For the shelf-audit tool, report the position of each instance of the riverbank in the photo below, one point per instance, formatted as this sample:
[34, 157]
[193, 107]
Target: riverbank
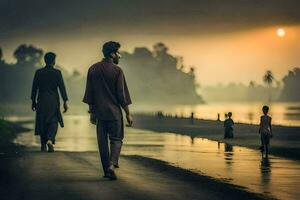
[30, 174]
[9, 152]
[285, 143]
[77, 175]
[8, 132]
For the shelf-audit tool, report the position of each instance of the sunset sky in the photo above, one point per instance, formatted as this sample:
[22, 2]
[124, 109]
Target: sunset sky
[236, 41]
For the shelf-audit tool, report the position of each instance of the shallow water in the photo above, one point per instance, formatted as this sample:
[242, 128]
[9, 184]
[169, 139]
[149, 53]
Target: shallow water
[283, 113]
[275, 177]
[246, 112]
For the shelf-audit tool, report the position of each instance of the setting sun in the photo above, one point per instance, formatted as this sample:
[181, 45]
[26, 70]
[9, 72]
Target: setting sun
[280, 32]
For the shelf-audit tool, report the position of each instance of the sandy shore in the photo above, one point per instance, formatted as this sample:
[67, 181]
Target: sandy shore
[285, 143]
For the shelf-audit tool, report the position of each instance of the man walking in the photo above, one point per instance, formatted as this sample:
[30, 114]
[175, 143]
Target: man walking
[106, 93]
[46, 103]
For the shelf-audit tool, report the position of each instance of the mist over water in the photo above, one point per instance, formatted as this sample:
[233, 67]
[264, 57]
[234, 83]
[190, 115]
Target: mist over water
[244, 112]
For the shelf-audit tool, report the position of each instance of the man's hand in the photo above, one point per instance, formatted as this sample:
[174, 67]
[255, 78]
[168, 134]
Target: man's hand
[129, 120]
[33, 106]
[93, 118]
[65, 107]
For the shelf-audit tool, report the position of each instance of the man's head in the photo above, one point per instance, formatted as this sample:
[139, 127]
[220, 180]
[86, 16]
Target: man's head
[265, 109]
[111, 50]
[50, 58]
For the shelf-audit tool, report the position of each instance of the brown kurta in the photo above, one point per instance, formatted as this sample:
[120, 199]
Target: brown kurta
[45, 87]
[106, 90]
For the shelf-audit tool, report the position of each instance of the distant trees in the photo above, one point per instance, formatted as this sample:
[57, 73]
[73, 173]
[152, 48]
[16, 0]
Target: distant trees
[268, 77]
[153, 76]
[28, 54]
[291, 86]
[251, 90]
[160, 50]
[239, 92]
[157, 77]
[16, 79]
[268, 80]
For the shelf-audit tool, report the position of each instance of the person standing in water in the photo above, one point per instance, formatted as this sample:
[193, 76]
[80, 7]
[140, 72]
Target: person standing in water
[106, 93]
[265, 131]
[228, 125]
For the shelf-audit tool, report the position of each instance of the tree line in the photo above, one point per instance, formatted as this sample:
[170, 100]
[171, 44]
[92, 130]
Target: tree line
[153, 77]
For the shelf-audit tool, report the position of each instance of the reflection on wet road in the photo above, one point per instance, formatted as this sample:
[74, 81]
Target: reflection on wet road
[276, 177]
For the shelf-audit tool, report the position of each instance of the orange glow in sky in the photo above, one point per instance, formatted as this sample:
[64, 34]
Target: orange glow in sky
[217, 58]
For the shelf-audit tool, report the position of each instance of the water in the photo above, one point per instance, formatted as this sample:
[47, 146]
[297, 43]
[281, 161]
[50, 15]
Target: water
[282, 113]
[247, 112]
[275, 177]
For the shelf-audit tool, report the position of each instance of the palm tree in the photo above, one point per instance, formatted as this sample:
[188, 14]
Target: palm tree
[268, 80]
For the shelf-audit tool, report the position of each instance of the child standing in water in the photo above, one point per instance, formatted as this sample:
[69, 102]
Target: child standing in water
[265, 131]
[228, 125]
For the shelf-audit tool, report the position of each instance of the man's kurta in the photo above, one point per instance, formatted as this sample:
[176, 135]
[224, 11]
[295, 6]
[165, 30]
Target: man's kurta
[106, 90]
[45, 87]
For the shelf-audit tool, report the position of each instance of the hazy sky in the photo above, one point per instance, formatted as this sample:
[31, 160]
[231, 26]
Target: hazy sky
[232, 40]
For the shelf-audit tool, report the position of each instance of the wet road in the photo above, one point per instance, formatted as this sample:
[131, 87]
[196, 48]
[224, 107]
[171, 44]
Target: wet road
[275, 177]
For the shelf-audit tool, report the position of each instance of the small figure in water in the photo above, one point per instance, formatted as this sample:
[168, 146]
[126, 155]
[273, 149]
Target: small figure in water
[218, 119]
[265, 131]
[228, 125]
[192, 118]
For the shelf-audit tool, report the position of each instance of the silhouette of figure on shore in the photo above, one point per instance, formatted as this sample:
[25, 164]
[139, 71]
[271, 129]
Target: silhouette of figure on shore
[192, 118]
[218, 117]
[46, 103]
[228, 125]
[160, 114]
[106, 93]
[265, 131]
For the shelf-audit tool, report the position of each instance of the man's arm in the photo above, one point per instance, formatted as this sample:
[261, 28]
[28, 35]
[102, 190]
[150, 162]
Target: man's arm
[128, 115]
[89, 92]
[34, 91]
[89, 98]
[63, 92]
[124, 96]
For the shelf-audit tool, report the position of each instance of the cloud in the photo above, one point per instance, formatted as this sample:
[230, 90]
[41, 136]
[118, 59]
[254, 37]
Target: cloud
[30, 17]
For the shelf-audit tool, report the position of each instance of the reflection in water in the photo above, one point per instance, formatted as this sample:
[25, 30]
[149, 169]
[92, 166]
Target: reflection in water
[238, 165]
[265, 169]
[228, 153]
[192, 139]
